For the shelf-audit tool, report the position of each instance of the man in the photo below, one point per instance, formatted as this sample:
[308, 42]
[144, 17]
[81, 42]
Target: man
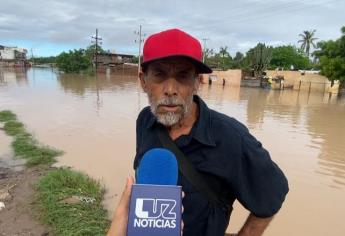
[217, 146]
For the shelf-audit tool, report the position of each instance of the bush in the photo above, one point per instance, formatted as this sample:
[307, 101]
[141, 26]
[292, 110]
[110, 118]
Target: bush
[73, 61]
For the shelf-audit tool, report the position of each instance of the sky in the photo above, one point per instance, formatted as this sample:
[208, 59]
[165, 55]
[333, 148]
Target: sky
[48, 27]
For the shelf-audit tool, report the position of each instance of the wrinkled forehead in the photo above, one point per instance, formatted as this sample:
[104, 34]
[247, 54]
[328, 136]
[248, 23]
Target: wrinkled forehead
[173, 65]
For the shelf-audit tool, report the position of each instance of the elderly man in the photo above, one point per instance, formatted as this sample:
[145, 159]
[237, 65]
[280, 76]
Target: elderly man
[232, 164]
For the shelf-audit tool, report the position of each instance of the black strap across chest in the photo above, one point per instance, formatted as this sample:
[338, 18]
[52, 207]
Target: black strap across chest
[201, 181]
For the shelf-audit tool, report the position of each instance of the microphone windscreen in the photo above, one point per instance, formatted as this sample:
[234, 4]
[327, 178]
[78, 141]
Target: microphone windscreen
[158, 166]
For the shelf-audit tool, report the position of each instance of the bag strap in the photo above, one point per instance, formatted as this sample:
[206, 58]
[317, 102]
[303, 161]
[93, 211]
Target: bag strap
[187, 168]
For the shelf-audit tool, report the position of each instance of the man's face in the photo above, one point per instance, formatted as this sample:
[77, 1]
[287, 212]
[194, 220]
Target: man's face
[170, 85]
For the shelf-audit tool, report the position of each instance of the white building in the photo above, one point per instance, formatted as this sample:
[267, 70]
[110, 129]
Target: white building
[13, 55]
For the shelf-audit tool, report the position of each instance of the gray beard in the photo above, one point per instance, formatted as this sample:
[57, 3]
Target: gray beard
[171, 118]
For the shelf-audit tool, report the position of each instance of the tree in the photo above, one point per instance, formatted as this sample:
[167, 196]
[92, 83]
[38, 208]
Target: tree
[238, 61]
[225, 57]
[73, 61]
[307, 40]
[208, 53]
[260, 57]
[222, 59]
[43, 60]
[135, 59]
[286, 56]
[333, 68]
[90, 51]
[331, 55]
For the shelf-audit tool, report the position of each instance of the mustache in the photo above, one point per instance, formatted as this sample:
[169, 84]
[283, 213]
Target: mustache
[170, 102]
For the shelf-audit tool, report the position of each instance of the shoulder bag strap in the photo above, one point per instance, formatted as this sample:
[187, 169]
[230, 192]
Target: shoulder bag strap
[187, 168]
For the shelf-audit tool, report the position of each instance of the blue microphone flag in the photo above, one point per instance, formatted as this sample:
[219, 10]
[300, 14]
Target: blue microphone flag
[155, 207]
[158, 166]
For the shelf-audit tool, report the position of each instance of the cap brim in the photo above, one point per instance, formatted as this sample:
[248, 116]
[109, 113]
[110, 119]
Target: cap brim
[201, 67]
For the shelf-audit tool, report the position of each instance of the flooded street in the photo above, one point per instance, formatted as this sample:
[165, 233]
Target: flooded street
[93, 122]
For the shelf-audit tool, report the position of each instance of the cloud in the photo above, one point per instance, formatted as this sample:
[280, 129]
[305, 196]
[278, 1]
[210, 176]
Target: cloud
[236, 24]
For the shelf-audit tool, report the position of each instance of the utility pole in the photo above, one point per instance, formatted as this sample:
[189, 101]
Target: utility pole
[97, 40]
[140, 40]
[204, 46]
[32, 57]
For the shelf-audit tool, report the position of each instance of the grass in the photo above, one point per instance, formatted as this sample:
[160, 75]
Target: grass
[35, 154]
[71, 219]
[13, 128]
[65, 219]
[7, 115]
[24, 144]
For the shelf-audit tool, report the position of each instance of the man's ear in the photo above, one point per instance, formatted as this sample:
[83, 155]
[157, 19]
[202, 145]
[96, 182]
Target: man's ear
[200, 78]
[142, 80]
[197, 83]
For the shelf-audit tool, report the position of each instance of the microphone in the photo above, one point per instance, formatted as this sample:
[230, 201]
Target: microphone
[158, 166]
[155, 204]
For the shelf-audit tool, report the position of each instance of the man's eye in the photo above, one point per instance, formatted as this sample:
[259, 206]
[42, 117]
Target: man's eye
[184, 77]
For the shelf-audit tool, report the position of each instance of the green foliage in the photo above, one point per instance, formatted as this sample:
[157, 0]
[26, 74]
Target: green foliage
[331, 55]
[28, 148]
[287, 56]
[333, 68]
[307, 40]
[71, 219]
[91, 50]
[208, 53]
[135, 59]
[225, 58]
[7, 115]
[73, 61]
[328, 48]
[238, 61]
[221, 60]
[43, 60]
[13, 127]
[260, 57]
[24, 145]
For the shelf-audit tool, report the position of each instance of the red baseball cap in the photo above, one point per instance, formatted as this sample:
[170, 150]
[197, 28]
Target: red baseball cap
[174, 43]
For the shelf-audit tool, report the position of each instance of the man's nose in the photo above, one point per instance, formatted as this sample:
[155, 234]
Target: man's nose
[170, 87]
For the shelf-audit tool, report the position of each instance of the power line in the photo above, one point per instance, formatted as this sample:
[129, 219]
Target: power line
[263, 11]
[274, 10]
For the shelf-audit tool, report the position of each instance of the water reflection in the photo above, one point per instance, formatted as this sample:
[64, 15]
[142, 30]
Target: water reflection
[10, 75]
[82, 84]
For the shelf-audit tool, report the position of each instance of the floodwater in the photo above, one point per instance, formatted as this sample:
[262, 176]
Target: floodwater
[93, 121]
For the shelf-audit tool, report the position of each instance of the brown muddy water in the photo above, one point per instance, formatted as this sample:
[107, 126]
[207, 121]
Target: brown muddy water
[93, 121]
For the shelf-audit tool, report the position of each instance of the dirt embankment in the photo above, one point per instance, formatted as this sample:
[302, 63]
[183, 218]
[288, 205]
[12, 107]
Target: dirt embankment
[17, 193]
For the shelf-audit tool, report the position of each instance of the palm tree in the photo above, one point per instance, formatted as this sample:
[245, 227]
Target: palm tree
[223, 51]
[307, 40]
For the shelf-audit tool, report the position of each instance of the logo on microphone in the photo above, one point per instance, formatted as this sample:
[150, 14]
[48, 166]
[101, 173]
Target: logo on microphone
[155, 213]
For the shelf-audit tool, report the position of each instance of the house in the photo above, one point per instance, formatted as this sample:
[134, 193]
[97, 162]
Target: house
[112, 59]
[13, 56]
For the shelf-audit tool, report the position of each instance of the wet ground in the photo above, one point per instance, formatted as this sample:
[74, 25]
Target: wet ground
[93, 121]
[17, 191]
